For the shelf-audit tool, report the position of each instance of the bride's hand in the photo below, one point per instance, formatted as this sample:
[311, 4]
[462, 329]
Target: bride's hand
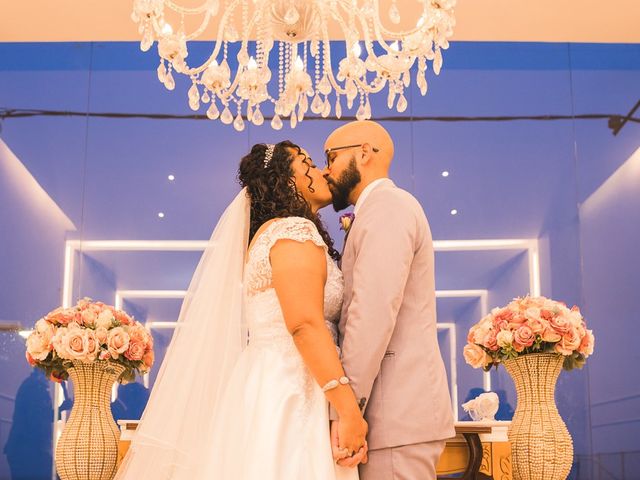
[351, 432]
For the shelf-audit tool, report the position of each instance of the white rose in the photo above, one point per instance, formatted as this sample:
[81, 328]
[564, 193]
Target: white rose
[575, 318]
[89, 317]
[58, 343]
[532, 313]
[105, 319]
[45, 329]
[117, 342]
[38, 346]
[481, 333]
[504, 338]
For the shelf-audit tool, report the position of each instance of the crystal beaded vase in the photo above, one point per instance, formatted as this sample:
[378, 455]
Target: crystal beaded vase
[88, 446]
[541, 445]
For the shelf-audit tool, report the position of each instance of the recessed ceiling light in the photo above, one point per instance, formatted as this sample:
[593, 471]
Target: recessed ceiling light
[445, 174]
[454, 212]
[161, 214]
[171, 178]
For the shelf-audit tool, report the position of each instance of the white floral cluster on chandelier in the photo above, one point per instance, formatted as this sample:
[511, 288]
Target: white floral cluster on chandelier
[299, 31]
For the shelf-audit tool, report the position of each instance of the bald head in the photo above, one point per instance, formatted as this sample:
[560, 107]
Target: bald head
[361, 132]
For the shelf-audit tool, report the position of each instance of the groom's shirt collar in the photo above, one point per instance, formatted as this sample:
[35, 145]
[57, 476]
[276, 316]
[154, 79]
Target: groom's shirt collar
[365, 193]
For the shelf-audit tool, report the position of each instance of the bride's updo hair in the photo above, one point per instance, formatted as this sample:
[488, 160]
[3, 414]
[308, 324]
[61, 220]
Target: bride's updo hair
[272, 189]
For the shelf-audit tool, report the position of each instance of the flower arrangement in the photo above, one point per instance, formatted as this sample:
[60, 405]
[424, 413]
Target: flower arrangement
[89, 332]
[529, 325]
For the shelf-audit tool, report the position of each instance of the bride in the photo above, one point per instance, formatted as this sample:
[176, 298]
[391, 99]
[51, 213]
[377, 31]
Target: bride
[243, 390]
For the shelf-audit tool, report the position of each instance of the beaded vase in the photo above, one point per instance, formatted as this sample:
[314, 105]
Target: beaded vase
[88, 446]
[541, 445]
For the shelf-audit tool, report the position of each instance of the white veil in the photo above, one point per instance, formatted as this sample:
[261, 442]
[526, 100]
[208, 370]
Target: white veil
[209, 337]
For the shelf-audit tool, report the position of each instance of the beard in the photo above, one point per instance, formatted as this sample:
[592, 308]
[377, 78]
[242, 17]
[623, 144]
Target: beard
[344, 185]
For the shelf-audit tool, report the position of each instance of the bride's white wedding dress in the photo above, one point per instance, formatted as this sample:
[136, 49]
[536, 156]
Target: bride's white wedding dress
[272, 422]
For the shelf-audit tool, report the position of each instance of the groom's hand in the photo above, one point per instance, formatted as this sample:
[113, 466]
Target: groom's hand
[342, 457]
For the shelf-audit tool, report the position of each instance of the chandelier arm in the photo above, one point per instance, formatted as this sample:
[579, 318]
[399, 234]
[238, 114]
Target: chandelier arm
[368, 45]
[201, 28]
[216, 50]
[241, 69]
[234, 85]
[370, 88]
[327, 61]
[382, 29]
[389, 51]
[188, 11]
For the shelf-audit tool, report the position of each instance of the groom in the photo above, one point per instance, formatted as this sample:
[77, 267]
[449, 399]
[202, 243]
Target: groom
[388, 325]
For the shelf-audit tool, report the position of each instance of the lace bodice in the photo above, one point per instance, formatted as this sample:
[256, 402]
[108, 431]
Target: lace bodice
[262, 308]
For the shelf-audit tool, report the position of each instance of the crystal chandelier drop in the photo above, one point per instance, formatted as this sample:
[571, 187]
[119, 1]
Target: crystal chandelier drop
[297, 32]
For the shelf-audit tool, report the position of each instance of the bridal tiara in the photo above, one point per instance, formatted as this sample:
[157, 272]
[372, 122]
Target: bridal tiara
[269, 153]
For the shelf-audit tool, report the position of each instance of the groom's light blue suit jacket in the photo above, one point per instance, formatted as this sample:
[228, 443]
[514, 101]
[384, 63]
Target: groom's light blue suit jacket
[388, 326]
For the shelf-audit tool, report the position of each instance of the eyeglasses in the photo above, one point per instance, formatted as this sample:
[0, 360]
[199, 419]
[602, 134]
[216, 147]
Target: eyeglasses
[329, 151]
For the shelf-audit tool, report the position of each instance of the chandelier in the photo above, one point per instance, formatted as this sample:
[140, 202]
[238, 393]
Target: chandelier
[297, 33]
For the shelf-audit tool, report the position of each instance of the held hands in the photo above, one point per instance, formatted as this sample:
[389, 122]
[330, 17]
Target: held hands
[348, 442]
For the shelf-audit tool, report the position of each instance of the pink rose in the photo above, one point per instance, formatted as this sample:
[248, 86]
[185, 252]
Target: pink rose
[517, 321]
[122, 317]
[30, 359]
[89, 317]
[60, 316]
[522, 338]
[538, 326]
[83, 303]
[550, 335]
[500, 324]
[117, 342]
[475, 356]
[76, 344]
[93, 346]
[546, 314]
[59, 344]
[138, 333]
[104, 355]
[148, 359]
[505, 314]
[135, 350]
[560, 324]
[490, 341]
[102, 335]
[471, 335]
[587, 344]
[569, 342]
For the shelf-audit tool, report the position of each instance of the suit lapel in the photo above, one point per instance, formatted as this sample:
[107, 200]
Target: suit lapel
[387, 182]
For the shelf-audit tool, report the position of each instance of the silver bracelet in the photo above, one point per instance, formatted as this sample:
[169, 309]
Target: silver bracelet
[331, 384]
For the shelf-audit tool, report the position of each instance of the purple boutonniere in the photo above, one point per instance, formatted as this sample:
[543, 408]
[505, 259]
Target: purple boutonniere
[346, 219]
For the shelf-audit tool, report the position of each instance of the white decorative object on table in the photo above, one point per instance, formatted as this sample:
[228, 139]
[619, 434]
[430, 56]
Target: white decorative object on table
[302, 30]
[484, 407]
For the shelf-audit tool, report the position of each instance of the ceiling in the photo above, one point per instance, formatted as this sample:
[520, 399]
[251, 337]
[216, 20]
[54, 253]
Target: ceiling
[586, 21]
